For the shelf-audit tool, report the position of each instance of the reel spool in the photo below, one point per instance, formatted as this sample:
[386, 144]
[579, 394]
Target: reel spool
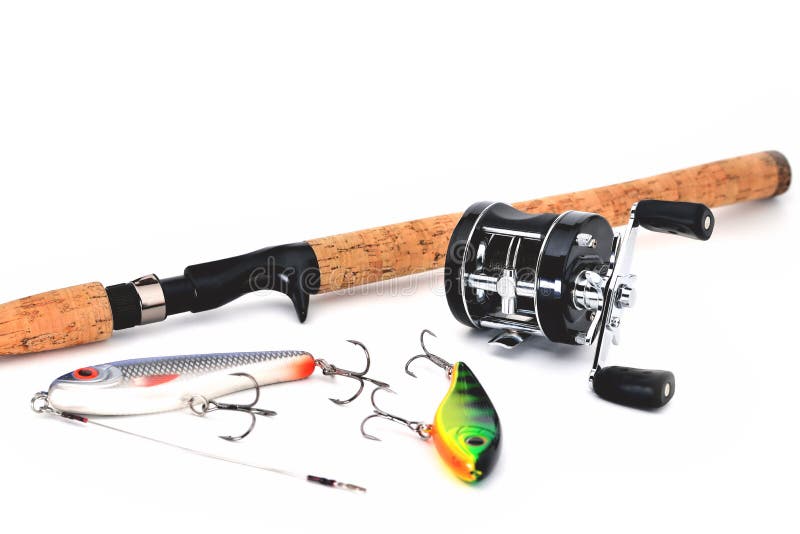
[565, 277]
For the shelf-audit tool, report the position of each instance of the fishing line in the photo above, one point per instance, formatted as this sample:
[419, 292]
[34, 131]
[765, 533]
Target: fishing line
[40, 404]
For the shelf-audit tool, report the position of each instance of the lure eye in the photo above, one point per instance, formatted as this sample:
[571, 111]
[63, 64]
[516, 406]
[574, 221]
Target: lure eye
[475, 441]
[85, 373]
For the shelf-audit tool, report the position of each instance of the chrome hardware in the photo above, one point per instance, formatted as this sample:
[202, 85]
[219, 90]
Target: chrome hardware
[151, 299]
[423, 430]
[513, 325]
[586, 240]
[508, 339]
[485, 282]
[200, 405]
[513, 233]
[428, 355]
[618, 290]
[588, 291]
[328, 369]
[507, 289]
[625, 296]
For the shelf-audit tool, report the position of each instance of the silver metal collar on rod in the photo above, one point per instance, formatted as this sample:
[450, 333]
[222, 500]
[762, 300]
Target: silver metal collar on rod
[151, 298]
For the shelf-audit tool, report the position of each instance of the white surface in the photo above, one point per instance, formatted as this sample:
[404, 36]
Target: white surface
[144, 137]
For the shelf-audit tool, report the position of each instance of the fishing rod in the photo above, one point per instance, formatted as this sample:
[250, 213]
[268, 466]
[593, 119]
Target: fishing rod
[92, 312]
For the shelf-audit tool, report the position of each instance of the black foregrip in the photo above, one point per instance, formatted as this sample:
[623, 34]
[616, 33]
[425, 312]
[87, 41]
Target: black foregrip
[640, 388]
[291, 269]
[688, 219]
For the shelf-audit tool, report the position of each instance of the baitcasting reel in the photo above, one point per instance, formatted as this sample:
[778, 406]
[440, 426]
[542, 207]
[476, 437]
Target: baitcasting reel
[566, 277]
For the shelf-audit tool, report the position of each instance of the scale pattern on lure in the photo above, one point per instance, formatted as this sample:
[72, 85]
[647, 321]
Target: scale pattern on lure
[150, 385]
[195, 364]
[466, 427]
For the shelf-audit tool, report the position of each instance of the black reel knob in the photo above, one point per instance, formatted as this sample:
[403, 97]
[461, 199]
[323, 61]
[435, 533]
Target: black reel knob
[687, 219]
[639, 388]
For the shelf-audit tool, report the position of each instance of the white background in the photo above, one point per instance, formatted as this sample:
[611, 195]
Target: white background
[141, 137]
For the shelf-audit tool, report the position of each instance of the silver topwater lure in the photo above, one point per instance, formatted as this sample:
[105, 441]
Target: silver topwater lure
[153, 385]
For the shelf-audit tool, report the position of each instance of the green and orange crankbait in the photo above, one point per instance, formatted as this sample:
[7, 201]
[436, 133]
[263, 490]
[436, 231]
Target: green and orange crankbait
[466, 427]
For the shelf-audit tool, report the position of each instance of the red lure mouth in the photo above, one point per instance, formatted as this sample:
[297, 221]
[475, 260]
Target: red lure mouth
[85, 373]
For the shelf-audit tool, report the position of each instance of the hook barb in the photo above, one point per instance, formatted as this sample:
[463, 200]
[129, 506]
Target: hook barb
[201, 406]
[364, 432]
[329, 369]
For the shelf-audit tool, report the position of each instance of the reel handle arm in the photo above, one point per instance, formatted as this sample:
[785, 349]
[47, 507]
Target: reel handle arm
[641, 388]
[687, 219]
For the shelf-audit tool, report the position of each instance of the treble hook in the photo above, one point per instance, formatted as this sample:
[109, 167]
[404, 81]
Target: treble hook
[331, 370]
[440, 362]
[201, 406]
[422, 429]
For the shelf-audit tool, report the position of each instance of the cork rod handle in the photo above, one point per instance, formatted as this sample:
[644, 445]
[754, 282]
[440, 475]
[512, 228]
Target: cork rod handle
[386, 252]
[55, 319]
